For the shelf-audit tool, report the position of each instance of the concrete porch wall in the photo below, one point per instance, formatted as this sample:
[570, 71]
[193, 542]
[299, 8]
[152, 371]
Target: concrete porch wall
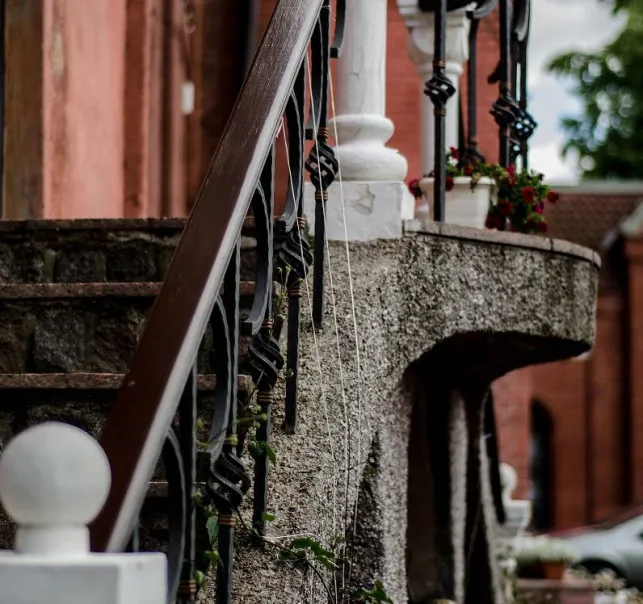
[450, 309]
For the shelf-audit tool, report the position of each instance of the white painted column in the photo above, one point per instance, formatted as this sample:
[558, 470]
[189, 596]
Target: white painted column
[421, 44]
[54, 480]
[360, 98]
[369, 200]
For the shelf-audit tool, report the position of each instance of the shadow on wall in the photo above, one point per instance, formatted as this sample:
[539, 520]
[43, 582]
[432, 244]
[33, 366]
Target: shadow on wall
[451, 516]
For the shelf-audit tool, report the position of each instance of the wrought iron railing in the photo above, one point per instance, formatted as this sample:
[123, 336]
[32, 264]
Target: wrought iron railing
[515, 124]
[202, 287]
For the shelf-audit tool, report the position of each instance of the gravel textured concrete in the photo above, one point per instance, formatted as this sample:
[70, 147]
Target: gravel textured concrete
[437, 314]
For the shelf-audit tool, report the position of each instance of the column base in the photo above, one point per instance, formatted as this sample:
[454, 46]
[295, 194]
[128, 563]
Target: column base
[374, 210]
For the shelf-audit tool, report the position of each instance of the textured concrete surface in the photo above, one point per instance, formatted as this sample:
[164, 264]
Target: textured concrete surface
[453, 309]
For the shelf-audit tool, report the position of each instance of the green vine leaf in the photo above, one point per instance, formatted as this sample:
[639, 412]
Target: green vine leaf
[259, 448]
[213, 557]
[304, 548]
[267, 517]
[376, 595]
[212, 526]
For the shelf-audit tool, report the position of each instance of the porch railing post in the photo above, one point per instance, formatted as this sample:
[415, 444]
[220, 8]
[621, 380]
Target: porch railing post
[362, 126]
[371, 173]
[54, 479]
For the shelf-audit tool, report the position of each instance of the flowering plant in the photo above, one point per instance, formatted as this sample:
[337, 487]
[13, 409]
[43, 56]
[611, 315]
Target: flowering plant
[517, 198]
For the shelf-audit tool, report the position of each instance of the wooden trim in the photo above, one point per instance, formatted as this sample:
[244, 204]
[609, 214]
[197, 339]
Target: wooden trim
[173, 189]
[23, 170]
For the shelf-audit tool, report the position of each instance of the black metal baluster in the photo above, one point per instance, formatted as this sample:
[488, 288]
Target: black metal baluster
[472, 152]
[505, 110]
[439, 89]
[482, 10]
[340, 24]
[178, 504]
[294, 256]
[228, 480]
[187, 441]
[3, 86]
[525, 126]
[322, 164]
[264, 353]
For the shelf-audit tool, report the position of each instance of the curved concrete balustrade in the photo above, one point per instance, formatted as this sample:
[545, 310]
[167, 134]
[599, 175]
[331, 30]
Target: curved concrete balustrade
[440, 314]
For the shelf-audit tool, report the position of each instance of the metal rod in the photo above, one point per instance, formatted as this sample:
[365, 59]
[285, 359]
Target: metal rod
[472, 113]
[440, 90]
[505, 86]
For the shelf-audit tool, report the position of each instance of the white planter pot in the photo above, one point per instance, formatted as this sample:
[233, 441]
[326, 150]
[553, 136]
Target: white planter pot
[604, 598]
[463, 206]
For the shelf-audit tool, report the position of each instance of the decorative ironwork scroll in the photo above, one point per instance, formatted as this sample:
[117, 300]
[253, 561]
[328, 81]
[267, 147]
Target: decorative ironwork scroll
[321, 164]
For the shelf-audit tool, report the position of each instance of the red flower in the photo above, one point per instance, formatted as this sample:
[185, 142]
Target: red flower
[541, 226]
[511, 170]
[449, 183]
[505, 207]
[468, 170]
[492, 222]
[540, 206]
[454, 153]
[552, 197]
[414, 188]
[528, 194]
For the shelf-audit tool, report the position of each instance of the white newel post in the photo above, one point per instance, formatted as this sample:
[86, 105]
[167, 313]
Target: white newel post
[421, 43]
[54, 479]
[517, 518]
[517, 511]
[371, 181]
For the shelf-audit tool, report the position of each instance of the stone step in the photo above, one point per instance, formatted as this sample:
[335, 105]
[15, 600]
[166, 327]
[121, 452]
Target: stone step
[96, 251]
[84, 400]
[82, 328]
[10, 382]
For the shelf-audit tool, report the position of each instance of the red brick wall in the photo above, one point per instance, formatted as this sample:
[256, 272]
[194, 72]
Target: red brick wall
[585, 399]
[560, 388]
[635, 258]
[512, 396]
[403, 87]
[607, 396]
[488, 54]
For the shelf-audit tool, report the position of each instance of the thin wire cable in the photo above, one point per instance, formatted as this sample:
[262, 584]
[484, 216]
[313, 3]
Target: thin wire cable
[316, 343]
[282, 129]
[352, 293]
[339, 354]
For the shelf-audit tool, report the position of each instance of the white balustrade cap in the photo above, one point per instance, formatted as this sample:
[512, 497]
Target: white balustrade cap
[54, 480]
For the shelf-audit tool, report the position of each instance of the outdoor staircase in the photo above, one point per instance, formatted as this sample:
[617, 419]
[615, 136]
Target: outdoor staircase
[74, 296]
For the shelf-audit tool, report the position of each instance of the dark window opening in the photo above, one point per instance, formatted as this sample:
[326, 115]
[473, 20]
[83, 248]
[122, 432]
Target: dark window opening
[541, 468]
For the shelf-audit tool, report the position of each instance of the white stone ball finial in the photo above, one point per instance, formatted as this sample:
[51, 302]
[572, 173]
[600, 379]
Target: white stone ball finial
[54, 480]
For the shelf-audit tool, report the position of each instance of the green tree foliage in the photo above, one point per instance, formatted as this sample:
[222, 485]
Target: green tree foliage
[608, 134]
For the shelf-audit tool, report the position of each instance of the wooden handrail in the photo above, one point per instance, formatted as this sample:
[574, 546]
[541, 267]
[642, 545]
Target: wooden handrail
[148, 398]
